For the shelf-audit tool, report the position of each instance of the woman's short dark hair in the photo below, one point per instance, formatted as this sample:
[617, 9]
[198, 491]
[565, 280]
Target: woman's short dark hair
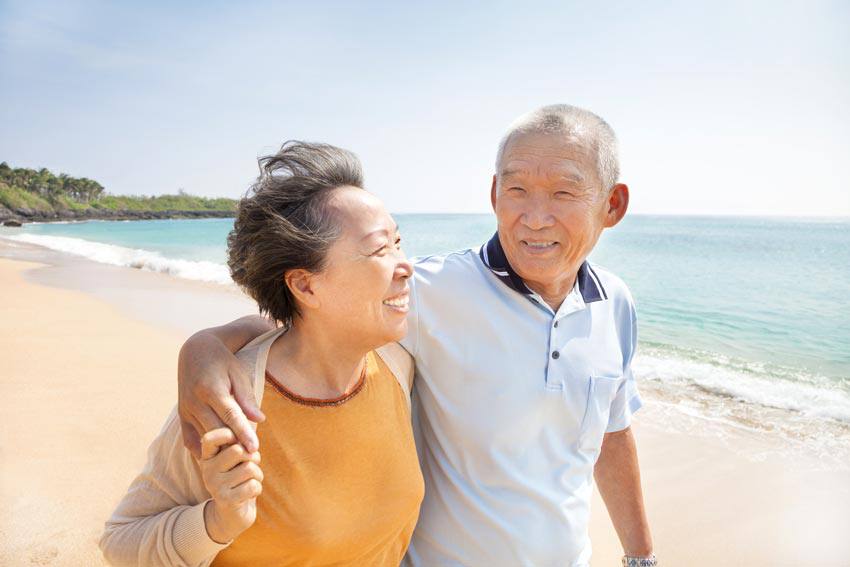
[283, 222]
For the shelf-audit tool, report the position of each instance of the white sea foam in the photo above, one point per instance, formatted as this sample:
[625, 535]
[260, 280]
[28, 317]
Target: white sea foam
[131, 257]
[807, 395]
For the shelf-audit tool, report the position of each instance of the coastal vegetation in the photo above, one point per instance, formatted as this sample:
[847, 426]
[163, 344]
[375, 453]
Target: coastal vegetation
[29, 194]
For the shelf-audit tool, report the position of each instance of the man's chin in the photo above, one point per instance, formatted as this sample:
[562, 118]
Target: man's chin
[537, 269]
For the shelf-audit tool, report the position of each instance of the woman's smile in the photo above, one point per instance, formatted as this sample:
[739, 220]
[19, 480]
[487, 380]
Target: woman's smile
[398, 303]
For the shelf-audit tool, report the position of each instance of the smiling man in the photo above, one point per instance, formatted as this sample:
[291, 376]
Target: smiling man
[523, 390]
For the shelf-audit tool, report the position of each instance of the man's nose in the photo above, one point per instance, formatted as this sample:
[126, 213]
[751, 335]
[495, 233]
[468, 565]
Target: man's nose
[537, 216]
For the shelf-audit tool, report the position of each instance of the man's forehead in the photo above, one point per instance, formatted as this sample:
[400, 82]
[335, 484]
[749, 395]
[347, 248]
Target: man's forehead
[557, 153]
[559, 166]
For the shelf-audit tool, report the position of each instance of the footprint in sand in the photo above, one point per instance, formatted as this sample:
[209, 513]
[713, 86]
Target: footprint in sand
[44, 556]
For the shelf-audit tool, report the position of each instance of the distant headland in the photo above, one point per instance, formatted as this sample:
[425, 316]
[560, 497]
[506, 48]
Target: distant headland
[28, 195]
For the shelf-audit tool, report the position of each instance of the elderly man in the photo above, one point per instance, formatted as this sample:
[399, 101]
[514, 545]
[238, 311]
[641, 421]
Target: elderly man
[523, 391]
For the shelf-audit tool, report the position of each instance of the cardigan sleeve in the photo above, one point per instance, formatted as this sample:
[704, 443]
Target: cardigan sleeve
[160, 520]
[400, 364]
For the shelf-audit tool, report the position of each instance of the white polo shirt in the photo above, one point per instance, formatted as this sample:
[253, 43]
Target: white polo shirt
[511, 401]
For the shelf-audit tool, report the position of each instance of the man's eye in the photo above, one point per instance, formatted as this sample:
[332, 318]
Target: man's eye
[517, 190]
[398, 242]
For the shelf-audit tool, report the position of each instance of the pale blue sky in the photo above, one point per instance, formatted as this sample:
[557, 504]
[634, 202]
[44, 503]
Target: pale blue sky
[721, 108]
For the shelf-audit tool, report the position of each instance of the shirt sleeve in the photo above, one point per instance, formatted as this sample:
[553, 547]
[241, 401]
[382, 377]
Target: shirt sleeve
[160, 520]
[627, 399]
[626, 402]
[410, 342]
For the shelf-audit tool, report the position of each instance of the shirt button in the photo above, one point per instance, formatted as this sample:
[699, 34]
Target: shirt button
[556, 324]
[555, 354]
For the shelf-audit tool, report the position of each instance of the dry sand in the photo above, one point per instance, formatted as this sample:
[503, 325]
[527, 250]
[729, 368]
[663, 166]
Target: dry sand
[83, 387]
[87, 376]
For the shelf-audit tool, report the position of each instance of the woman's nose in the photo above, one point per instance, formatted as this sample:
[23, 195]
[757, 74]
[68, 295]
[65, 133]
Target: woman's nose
[404, 269]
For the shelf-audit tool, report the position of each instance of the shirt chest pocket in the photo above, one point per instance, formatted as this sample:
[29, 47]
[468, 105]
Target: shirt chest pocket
[600, 394]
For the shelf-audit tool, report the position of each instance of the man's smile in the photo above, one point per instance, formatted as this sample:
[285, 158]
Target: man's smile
[538, 247]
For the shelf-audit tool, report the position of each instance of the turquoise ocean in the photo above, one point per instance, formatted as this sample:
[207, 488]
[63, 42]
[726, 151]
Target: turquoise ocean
[744, 321]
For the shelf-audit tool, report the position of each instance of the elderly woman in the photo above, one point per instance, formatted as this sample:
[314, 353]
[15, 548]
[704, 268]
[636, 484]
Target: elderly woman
[339, 476]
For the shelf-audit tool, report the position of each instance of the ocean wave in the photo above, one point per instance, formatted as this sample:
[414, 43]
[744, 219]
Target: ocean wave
[131, 257]
[757, 384]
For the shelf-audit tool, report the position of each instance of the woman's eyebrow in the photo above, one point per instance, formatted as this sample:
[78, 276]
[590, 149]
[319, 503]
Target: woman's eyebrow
[382, 231]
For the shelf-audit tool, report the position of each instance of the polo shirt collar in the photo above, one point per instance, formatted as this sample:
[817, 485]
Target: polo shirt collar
[493, 256]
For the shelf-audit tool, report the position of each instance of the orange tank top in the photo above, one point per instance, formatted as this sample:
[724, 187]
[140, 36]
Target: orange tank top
[342, 484]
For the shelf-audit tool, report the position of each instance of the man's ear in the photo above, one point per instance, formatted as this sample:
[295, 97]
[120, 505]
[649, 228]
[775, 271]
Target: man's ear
[493, 193]
[617, 204]
[301, 284]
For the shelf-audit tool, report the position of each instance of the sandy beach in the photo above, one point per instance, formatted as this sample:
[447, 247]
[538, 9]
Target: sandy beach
[87, 377]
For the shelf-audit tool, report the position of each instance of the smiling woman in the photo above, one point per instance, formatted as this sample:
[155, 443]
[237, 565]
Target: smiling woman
[322, 258]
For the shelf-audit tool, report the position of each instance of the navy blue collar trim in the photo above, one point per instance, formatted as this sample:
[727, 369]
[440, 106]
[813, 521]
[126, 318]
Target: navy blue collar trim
[493, 256]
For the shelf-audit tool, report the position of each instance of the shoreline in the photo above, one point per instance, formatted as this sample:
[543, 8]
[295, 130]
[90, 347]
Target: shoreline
[809, 411]
[715, 495]
[26, 216]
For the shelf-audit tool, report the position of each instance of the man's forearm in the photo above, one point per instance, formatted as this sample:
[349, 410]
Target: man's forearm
[236, 334]
[213, 390]
[232, 336]
[617, 476]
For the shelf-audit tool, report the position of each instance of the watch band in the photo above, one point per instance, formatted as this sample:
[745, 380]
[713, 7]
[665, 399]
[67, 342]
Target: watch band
[649, 561]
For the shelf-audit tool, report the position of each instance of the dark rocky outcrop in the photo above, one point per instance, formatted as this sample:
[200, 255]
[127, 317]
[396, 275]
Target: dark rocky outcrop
[30, 215]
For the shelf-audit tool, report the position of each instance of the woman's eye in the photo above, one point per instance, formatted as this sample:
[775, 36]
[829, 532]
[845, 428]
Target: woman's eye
[384, 247]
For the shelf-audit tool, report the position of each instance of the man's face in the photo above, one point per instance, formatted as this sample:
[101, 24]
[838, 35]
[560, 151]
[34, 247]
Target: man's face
[550, 207]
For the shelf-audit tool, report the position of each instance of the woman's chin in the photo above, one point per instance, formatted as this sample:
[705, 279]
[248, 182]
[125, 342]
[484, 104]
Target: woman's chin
[396, 332]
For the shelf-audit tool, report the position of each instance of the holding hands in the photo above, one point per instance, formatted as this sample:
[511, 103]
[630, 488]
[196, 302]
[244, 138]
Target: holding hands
[233, 477]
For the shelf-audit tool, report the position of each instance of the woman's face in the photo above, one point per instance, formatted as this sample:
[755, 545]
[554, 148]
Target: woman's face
[363, 289]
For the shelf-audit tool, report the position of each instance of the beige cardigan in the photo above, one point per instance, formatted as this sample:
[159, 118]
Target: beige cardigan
[160, 521]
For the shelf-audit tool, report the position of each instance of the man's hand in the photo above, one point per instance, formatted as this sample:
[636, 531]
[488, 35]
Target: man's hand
[234, 479]
[213, 389]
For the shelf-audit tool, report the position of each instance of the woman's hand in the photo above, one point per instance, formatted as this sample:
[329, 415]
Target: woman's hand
[234, 479]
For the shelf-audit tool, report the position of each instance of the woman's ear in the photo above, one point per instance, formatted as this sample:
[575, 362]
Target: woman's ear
[301, 284]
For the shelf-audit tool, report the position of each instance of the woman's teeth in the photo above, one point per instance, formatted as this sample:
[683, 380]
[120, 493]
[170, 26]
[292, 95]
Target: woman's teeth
[397, 302]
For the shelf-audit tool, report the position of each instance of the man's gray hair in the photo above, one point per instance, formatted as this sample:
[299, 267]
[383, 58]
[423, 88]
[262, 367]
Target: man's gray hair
[575, 122]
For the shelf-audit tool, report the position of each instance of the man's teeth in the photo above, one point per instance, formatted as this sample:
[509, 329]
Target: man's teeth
[398, 302]
[539, 244]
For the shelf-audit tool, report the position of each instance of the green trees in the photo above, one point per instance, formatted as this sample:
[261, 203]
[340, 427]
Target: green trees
[41, 190]
[48, 186]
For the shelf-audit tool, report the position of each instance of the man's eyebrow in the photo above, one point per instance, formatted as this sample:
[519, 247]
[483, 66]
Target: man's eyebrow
[512, 171]
[570, 176]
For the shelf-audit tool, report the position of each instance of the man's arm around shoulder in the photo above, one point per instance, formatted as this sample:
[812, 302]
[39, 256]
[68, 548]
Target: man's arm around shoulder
[213, 389]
